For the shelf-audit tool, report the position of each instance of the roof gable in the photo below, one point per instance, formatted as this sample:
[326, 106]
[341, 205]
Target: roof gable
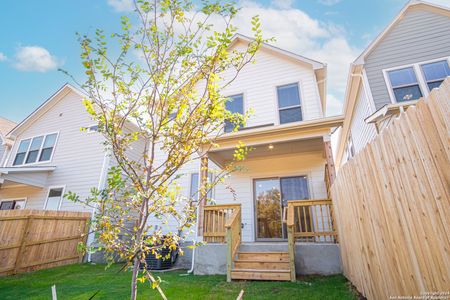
[410, 6]
[43, 108]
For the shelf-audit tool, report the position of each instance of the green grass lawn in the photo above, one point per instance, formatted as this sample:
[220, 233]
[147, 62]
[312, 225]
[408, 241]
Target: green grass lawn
[83, 280]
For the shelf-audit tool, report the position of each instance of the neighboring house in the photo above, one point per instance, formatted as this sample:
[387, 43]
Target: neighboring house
[405, 62]
[51, 156]
[5, 127]
[289, 134]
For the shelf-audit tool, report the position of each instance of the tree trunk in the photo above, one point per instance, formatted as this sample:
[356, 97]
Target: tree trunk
[134, 279]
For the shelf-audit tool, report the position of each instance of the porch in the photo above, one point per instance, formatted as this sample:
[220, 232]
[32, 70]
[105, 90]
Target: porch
[278, 222]
[311, 246]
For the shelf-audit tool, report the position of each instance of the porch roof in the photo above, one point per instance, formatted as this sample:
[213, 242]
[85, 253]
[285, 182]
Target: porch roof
[305, 136]
[35, 176]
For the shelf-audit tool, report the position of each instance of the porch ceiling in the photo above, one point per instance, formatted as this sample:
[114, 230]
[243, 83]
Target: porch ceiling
[30, 176]
[222, 157]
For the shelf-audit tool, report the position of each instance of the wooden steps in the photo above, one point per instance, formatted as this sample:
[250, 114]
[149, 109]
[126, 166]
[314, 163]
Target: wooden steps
[261, 266]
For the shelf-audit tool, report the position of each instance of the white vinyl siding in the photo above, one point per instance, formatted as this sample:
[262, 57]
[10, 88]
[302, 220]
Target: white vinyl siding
[420, 36]
[258, 83]
[78, 155]
[361, 132]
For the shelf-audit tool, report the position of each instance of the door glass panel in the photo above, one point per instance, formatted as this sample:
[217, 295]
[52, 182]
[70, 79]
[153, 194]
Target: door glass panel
[296, 188]
[268, 209]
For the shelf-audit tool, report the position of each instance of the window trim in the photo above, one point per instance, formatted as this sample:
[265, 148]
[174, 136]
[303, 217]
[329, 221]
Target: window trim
[423, 74]
[62, 195]
[37, 162]
[25, 199]
[300, 95]
[243, 93]
[211, 177]
[417, 71]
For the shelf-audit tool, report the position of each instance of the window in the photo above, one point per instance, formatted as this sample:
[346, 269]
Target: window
[289, 104]
[54, 198]
[435, 73]
[350, 148]
[194, 191]
[12, 204]
[235, 104]
[37, 149]
[404, 84]
[92, 128]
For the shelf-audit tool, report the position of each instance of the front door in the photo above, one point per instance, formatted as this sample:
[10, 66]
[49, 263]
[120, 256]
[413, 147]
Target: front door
[271, 197]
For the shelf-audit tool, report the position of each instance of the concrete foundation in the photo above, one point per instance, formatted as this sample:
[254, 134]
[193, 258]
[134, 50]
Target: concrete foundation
[310, 258]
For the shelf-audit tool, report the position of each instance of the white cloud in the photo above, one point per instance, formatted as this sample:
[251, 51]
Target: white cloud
[441, 2]
[2, 56]
[329, 2]
[296, 31]
[35, 58]
[122, 5]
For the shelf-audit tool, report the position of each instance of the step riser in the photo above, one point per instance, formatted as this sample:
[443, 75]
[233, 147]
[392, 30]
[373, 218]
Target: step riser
[262, 265]
[260, 276]
[264, 256]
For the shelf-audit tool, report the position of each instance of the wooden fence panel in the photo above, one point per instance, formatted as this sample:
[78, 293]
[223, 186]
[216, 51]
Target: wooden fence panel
[37, 239]
[392, 205]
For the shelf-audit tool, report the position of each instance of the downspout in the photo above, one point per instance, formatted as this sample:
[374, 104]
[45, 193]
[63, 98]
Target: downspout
[193, 249]
[101, 185]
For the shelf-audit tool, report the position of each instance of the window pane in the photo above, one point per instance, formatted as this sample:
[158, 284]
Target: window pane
[407, 93]
[19, 159]
[288, 95]
[435, 71]
[294, 188]
[32, 156]
[402, 77]
[23, 147]
[434, 84]
[55, 193]
[235, 104]
[36, 143]
[54, 199]
[210, 191]
[46, 154]
[50, 140]
[290, 115]
[6, 205]
[194, 186]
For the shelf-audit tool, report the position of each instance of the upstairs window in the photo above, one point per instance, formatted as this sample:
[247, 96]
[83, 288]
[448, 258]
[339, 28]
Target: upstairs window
[435, 73]
[405, 85]
[235, 104]
[289, 103]
[37, 149]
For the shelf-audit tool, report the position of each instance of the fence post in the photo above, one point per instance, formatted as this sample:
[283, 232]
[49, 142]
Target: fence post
[23, 239]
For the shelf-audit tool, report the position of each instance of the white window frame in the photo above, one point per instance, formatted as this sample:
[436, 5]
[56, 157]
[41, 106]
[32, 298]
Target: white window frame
[37, 162]
[417, 67]
[243, 106]
[88, 129]
[25, 199]
[300, 95]
[199, 183]
[53, 187]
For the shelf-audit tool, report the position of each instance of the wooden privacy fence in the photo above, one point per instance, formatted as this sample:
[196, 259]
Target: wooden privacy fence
[36, 239]
[392, 205]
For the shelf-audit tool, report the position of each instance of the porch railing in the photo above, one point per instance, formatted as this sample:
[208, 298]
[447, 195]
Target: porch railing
[233, 238]
[313, 220]
[215, 217]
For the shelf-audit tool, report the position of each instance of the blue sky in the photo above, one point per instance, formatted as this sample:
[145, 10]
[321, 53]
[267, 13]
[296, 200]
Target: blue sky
[37, 37]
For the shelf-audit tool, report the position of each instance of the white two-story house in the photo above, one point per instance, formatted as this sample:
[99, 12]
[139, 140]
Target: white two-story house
[291, 162]
[405, 62]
